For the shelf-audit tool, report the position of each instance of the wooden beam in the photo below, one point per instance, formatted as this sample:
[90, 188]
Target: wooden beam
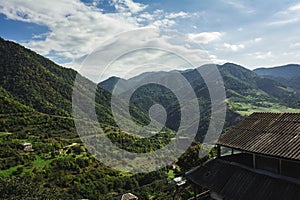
[218, 151]
[254, 161]
[279, 167]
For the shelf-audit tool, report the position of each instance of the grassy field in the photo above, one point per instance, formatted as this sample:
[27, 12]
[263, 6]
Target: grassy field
[246, 109]
[8, 172]
[5, 133]
[38, 163]
[171, 175]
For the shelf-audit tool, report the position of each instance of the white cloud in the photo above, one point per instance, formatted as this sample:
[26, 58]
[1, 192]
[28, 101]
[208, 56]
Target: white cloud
[75, 29]
[205, 37]
[147, 16]
[161, 19]
[262, 55]
[234, 47]
[252, 41]
[164, 23]
[257, 39]
[158, 12]
[239, 5]
[128, 6]
[294, 7]
[287, 16]
[150, 18]
[143, 49]
[177, 15]
[283, 22]
[295, 45]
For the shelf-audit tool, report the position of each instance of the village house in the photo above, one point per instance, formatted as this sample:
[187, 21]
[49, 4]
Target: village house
[259, 159]
[26, 146]
[128, 196]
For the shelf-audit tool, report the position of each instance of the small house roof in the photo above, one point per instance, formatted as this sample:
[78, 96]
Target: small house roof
[26, 144]
[179, 181]
[128, 196]
[272, 134]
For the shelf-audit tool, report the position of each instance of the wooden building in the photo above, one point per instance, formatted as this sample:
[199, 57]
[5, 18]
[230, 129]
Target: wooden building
[259, 158]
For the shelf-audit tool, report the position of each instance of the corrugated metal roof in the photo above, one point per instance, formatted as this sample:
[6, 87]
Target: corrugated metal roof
[235, 182]
[274, 134]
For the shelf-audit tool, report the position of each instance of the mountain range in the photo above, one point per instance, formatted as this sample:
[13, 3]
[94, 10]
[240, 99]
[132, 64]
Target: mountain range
[246, 90]
[32, 83]
[288, 75]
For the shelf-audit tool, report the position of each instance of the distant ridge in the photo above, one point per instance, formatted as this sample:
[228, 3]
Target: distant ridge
[246, 92]
[285, 71]
[288, 75]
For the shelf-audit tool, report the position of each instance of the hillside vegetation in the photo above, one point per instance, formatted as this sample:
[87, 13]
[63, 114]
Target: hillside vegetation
[36, 107]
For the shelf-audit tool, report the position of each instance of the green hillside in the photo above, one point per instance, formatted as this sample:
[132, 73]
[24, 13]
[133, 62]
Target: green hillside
[248, 92]
[35, 81]
[40, 84]
[9, 105]
[36, 107]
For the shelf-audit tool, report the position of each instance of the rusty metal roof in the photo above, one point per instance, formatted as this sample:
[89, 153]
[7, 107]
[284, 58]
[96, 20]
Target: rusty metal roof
[273, 134]
[235, 182]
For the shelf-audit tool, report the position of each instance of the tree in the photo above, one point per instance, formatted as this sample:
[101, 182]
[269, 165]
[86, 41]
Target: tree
[24, 188]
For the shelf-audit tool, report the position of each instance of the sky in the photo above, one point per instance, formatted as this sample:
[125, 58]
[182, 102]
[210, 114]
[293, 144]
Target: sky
[251, 33]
